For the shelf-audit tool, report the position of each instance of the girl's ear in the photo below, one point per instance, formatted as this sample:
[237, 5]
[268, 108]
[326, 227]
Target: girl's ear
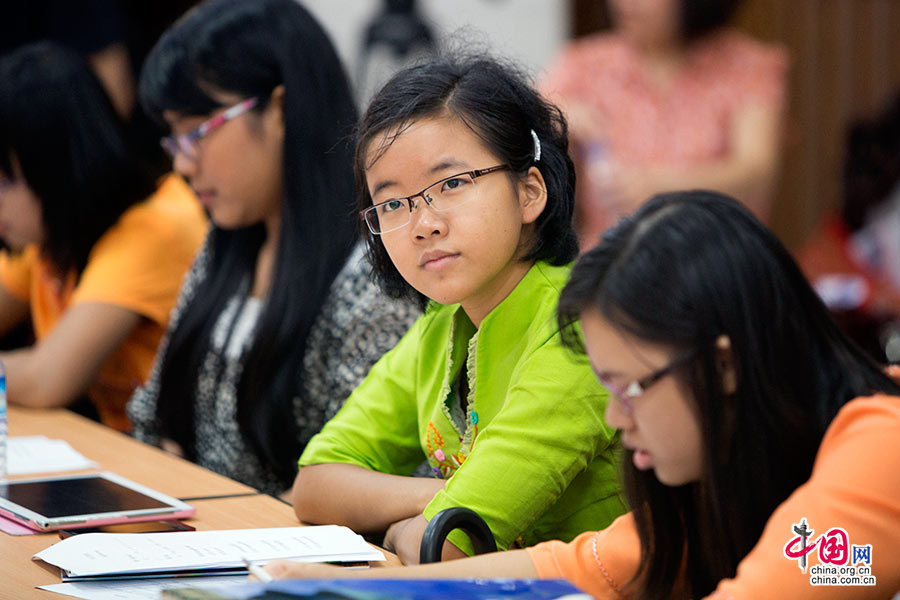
[725, 365]
[532, 195]
[275, 108]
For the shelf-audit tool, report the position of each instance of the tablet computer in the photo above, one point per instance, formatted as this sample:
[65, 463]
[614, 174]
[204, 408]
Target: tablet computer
[88, 500]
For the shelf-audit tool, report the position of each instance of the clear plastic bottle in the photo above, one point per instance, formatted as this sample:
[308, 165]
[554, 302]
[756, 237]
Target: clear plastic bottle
[4, 427]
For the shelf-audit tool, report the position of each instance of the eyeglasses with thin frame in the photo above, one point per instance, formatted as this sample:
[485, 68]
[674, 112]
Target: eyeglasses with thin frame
[444, 194]
[627, 394]
[186, 143]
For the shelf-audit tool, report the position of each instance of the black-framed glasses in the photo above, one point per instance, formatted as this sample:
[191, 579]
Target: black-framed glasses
[186, 143]
[636, 388]
[444, 194]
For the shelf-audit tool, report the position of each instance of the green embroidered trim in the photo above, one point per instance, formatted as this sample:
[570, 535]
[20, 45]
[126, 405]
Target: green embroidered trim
[445, 385]
[467, 437]
[471, 428]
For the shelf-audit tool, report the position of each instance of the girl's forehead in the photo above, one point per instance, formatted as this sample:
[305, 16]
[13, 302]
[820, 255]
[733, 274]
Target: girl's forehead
[612, 348]
[424, 138]
[219, 100]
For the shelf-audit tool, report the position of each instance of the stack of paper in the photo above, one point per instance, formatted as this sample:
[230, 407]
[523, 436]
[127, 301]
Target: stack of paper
[39, 454]
[137, 589]
[130, 555]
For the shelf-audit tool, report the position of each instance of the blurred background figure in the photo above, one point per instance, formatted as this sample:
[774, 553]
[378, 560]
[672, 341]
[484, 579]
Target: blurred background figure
[397, 35]
[853, 258]
[99, 242]
[113, 37]
[375, 38]
[671, 98]
[96, 29]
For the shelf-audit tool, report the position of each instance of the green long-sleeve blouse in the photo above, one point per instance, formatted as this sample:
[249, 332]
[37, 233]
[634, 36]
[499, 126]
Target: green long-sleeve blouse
[528, 449]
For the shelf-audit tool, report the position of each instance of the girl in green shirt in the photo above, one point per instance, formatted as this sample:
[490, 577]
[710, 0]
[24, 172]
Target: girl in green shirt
[466, 189]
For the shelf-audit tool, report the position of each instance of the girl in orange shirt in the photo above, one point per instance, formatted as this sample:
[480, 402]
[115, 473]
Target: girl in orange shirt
[97, 244]
[748, 418]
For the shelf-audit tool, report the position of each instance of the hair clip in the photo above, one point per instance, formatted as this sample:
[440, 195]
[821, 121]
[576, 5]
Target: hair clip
[537, 146]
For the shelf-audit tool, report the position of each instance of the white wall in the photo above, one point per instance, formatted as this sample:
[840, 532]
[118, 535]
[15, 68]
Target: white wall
[528, 31]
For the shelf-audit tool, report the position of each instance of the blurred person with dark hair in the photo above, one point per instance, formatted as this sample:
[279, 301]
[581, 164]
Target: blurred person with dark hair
[673, 98]
[113, 37]
[95, 29]
[99, 247]
[853, 257]
[279, 318]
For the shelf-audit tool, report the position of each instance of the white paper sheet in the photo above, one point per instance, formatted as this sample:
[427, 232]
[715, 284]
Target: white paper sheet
[91, 554]
[39, 454]
[138, 589]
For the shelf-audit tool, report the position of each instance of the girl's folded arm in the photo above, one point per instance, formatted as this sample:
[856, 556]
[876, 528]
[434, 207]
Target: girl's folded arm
[360, 498]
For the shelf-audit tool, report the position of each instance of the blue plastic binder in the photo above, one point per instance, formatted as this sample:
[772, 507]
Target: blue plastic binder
[394, 589]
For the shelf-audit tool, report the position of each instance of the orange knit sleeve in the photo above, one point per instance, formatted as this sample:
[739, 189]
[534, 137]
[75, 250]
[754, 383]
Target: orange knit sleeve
[599, 562]
[852, 505]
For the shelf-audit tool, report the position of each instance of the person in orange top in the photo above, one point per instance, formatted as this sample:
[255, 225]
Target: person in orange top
[762, 444]
[98, 250]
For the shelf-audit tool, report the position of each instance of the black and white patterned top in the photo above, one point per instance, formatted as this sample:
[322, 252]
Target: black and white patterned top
[357, 325]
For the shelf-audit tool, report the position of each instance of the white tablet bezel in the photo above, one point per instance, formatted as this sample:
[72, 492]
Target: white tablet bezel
[176, 508]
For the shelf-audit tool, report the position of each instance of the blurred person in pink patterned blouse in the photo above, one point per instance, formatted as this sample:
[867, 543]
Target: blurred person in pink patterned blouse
[672, 98]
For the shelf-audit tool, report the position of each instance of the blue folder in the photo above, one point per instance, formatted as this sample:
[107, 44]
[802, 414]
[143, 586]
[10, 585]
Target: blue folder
[394, 589]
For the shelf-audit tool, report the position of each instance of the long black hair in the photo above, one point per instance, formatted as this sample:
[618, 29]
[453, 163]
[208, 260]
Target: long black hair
[495, 100]
[687, 268]
[59, 125]
[248, 49]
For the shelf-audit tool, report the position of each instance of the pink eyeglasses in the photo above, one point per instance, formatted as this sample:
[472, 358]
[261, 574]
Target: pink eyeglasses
[186, 143]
